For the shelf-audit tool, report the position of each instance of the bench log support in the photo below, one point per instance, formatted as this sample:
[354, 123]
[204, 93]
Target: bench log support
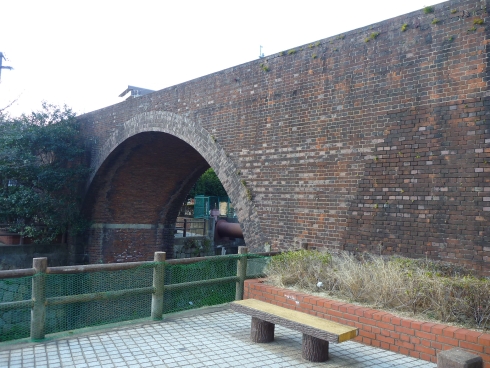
[317, 332]
[262, 331]
[314, 349]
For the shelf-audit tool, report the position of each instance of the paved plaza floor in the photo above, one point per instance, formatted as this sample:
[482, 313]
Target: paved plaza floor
[209, 337]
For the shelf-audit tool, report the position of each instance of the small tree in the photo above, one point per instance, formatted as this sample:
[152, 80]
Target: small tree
[208, 184]
[42, 169]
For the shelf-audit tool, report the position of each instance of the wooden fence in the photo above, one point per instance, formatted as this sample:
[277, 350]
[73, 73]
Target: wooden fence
[39, 270]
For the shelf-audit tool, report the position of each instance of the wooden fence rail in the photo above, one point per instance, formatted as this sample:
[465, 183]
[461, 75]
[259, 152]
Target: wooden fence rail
[39, 301]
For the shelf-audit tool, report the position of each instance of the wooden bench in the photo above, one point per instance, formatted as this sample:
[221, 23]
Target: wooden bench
[317, 332]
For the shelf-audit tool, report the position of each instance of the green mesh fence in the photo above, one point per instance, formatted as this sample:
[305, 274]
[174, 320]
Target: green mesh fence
[92, 313]
[15, 323]
[188, 298]
[256, 265]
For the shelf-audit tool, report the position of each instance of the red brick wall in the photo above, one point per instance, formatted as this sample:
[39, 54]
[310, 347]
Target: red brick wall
[381, 145]
[422, 340]
[122, 243]
[425, 189]
[135, 195]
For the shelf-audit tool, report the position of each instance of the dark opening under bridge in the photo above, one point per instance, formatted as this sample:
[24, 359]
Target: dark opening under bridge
[375, 140]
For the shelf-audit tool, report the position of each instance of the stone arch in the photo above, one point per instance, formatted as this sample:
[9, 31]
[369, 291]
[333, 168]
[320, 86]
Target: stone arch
[193, 134]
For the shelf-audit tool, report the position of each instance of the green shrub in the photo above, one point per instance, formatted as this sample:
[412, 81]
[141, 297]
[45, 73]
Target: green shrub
[372, 36]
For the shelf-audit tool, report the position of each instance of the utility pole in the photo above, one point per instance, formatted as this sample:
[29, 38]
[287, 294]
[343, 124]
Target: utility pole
[261, 54]
[2, 57]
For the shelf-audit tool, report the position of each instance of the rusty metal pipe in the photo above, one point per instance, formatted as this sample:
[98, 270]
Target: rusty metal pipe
[226, 229]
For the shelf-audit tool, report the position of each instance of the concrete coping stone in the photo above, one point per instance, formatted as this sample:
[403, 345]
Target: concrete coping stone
[458, 358]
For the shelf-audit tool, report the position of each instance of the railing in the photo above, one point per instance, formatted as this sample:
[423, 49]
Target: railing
[39, 273]
[186, 225]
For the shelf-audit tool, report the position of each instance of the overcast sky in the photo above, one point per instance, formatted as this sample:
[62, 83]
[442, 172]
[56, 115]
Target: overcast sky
[85, 53]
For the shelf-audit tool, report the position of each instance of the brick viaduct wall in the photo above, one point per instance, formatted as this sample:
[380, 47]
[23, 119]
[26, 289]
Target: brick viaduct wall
[376, 140]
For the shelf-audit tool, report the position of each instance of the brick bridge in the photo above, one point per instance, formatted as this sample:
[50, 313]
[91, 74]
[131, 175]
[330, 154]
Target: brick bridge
[375, 140]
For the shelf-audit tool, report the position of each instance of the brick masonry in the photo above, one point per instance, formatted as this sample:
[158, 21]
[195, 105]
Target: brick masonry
[421, 340]
[355, 142]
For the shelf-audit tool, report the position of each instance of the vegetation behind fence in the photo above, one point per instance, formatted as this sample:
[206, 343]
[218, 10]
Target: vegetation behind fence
[82, 296]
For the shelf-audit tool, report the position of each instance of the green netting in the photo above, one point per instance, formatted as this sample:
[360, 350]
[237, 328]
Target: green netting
[188, 298]
[15, 323]
[85, 314]
[256, 265]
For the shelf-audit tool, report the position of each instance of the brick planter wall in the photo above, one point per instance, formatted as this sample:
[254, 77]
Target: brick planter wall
[417, 339]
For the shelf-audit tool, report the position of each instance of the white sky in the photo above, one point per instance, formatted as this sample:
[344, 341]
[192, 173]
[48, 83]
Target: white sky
[85, 53]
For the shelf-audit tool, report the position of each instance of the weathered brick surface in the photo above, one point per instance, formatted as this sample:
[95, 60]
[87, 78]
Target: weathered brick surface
[421, 340]
[123, 244]
[380, 145]
[424, 190]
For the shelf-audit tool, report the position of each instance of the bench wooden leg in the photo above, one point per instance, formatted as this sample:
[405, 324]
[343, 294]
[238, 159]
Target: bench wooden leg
[314, 349]
[261, 331]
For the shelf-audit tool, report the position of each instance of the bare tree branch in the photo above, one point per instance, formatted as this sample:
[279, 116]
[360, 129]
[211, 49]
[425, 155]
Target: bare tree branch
[10, 104]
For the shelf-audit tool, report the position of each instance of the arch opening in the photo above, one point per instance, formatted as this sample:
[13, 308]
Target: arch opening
[141, 178]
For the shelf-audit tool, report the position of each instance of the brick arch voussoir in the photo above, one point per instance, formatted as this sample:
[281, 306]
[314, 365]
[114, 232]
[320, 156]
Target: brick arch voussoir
[196, 136]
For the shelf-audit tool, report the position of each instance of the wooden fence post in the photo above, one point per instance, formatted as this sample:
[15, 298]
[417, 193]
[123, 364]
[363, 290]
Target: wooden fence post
[241, 272]
[158, 284]
[38, 311]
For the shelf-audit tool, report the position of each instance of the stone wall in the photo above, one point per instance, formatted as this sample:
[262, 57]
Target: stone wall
[193, 247]
[20, 256]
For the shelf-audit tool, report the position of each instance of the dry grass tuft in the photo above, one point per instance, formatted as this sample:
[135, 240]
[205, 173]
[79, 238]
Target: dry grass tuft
[437, 290]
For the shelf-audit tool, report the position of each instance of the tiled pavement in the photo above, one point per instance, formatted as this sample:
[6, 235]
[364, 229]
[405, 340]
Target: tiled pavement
[211, 337]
